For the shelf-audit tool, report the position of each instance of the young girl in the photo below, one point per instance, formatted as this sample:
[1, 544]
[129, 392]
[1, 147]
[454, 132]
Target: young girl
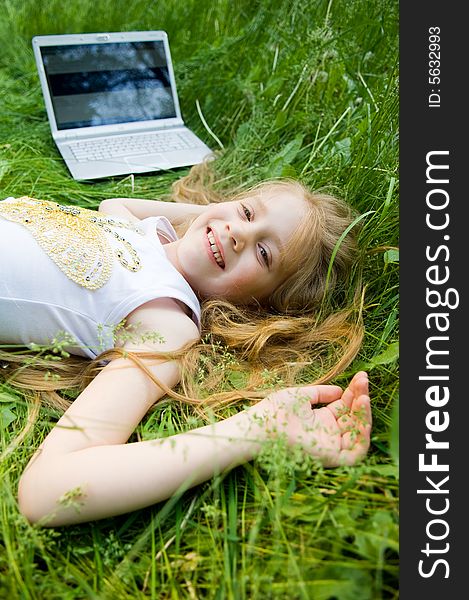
[259, 265]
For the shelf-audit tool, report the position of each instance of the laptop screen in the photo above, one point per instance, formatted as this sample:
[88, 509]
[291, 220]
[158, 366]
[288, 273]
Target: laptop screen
[103, 84]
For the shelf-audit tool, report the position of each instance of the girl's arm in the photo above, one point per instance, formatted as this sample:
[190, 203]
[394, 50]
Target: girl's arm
[135, 209]
[104, 415]
[85, 470]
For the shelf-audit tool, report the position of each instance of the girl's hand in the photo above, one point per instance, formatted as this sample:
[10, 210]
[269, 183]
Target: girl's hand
[335, 434]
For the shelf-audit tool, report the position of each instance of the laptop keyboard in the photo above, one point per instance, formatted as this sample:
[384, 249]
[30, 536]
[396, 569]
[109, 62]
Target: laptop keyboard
[130, 145]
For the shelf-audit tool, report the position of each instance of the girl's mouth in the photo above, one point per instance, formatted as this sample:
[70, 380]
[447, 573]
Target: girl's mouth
[217, 254]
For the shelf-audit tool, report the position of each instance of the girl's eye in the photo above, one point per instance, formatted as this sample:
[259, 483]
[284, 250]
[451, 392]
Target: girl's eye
[264, 254]
[247, 212]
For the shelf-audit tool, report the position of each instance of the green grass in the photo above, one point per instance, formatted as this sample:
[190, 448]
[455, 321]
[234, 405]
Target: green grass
[302, 88]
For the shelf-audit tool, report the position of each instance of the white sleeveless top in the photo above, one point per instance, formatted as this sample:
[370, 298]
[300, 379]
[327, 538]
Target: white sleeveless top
[39, 301]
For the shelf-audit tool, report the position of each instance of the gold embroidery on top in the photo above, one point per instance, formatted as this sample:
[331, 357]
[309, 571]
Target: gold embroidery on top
[74, 238]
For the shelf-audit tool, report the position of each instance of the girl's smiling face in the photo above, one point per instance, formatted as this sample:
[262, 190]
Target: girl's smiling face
[233, 250]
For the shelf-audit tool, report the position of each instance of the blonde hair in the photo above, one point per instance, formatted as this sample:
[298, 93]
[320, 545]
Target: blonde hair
[299, 333]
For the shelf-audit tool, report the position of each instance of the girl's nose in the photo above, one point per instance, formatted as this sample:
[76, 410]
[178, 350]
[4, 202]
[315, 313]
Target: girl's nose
[237, 236]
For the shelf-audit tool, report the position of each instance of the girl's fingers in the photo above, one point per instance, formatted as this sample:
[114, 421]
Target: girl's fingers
[348, 440]
[325, 394]
[358, 384]
[357, 387]
[345, 419]
[361, 409]
[356, 440]
[322, 394]
[360, 374]
[358, 446]
[315, 394]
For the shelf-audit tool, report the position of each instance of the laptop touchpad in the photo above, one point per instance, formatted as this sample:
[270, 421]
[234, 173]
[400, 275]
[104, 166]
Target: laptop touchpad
[146, 161]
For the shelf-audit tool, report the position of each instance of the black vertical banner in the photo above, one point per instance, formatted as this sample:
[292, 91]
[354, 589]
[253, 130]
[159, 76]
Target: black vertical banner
[434, 432]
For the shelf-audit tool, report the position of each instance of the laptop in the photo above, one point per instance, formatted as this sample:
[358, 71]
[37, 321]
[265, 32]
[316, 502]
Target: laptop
[112, 103]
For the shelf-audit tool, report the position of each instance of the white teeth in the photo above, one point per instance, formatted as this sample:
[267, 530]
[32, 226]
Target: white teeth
[215, 250]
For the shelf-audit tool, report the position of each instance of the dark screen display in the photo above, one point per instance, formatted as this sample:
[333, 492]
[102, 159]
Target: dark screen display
[103, 84]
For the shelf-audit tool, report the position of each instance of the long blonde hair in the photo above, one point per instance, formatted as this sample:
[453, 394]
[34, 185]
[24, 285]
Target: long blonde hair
[307, 331]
